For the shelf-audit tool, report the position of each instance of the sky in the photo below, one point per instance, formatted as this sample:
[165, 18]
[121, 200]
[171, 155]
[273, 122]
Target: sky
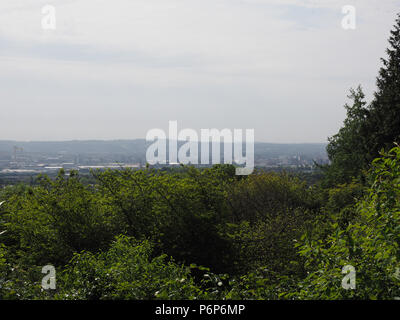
[117, 69]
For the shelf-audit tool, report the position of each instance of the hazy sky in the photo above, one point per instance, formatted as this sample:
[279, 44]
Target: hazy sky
[116, 69]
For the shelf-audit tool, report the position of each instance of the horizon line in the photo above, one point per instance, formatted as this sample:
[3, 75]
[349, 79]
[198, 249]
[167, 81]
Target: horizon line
[135, 139]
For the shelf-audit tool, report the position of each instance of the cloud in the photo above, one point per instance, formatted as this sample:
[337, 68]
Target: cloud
[278, 66]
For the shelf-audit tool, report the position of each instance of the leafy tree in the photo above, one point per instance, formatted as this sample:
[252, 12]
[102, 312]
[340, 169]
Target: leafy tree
[369, 128]
[348, 149]
[370, 243]
[269, 211]
[125, 271]
[384, 120]
[48, 223]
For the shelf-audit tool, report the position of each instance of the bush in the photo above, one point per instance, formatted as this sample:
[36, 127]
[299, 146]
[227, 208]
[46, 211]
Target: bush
[370, 243]
[125, 271]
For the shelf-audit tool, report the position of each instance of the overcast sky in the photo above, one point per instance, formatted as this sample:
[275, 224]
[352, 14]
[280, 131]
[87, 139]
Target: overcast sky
[116, 69]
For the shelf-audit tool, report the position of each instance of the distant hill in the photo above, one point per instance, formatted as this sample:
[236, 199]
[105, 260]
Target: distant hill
[76, 146]
[138, 148]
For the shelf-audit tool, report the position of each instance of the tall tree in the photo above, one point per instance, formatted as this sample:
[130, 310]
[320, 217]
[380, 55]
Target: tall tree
[347, 149]
[384, 120]
[369, 128]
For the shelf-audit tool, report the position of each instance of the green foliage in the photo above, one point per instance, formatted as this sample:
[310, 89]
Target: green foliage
[125, 271]
[211, 218]
[178, 212]
[370, 243]
[202, 234]
[384, 120]
[269, 212]
[368, 128]
[50, 222]
[348, 149]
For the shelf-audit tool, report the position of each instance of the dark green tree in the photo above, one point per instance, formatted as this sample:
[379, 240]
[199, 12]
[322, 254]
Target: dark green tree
[384, 120]
[347, 150]
[369, 128]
